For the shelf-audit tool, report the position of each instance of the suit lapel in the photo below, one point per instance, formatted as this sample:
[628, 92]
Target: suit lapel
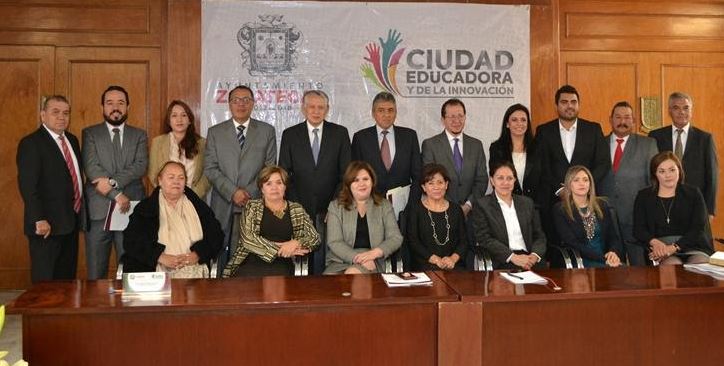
[629, 150]
[497, 216]
[447, 152]
[523, 216]
[558, 142]
[580, 143]
[375, 147]
[57, 153]
[691, 141]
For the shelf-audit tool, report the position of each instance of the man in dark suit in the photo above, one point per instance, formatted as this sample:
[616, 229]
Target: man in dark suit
[315, 153]
[694, 147]
[236, 151]
[565, 142]
[49, 177]
[393, 151]
[630, 157]
[462, 156]
[115, 158]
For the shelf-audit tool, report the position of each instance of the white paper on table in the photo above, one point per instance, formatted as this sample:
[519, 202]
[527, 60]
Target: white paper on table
[398, 197]
[115, 219]
[523, 278]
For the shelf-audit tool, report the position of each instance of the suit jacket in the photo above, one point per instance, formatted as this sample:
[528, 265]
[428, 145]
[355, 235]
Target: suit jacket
[700, 163]
[45, 182]
[532, 174]
[632, 175]
[342, 230]
[228, 166]
[98, 161]
[688, 218]
[491, 231]
[314, 185]
[590, 151]
[140, 239]
[159, 155]
[406, 164]
[573, 234]
[472, 181]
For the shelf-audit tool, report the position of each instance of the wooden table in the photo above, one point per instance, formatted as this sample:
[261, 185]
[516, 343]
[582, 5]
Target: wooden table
[626, 316]
[330, 320]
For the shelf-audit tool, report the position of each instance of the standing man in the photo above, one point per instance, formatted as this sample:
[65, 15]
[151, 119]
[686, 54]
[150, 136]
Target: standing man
[630, 157]
[462, 155]
[694, 147]
[236, 151]
[49, 174]
[315, 153]
[562, 143]
[393, 151]
[115, 157]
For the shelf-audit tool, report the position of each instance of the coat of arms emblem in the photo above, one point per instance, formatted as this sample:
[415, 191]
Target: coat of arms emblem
[269, 46]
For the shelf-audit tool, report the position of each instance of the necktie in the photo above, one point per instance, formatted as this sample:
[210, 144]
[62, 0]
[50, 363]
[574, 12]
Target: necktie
[457, 156]
[117, 147]
[315, 145]
[73, 175]
[617, 155]
[679, 147]
[385, 151]
[240, 135]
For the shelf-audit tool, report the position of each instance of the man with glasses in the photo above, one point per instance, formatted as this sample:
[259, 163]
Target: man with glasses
[462, 155]
[236, 151]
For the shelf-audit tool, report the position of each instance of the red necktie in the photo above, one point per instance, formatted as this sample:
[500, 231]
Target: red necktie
[73, 175]
[617, 155]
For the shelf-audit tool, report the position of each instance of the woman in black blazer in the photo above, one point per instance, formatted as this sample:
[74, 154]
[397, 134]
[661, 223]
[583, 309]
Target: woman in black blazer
[517, 146]
[670, 216]
[583, 221]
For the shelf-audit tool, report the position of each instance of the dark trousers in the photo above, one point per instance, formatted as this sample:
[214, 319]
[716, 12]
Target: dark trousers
[53, 258]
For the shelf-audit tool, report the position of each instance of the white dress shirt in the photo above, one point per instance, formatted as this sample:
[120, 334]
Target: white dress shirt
[568, 139]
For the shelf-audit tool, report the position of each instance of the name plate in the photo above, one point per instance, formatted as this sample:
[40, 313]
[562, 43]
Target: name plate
[146, 285]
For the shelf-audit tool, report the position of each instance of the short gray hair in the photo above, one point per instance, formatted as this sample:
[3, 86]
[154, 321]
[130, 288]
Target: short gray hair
[679, 95]
[318, 93]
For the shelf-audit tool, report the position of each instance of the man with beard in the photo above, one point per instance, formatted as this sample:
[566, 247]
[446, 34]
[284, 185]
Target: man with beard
[630, 157]
[565, 142]
[115, 156]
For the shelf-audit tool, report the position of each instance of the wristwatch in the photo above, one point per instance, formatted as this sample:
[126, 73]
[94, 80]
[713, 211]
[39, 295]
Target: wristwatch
[113, 183]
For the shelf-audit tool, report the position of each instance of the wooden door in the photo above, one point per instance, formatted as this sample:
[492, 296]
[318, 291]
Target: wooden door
[27, 76]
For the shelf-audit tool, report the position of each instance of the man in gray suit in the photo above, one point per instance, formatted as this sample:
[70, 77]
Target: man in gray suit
[462, 155]
[630, 157]
[236, 151]
[115, 157]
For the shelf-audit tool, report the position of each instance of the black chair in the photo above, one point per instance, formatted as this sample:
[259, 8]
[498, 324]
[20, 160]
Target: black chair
[400, 259]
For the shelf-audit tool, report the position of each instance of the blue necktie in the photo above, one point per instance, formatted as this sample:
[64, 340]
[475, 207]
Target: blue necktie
[457, 156]
[240, 135]
[315, 145]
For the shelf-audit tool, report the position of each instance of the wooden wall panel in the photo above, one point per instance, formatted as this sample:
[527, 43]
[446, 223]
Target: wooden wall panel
[82, 22]
[82, 74]
[642, 25]
[183, 54]
[601, 83]
[26, 77]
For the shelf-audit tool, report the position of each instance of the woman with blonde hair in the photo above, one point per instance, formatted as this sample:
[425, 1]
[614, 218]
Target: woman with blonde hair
[584, 222]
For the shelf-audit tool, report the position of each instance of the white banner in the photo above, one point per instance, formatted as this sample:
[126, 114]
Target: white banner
[422, 53]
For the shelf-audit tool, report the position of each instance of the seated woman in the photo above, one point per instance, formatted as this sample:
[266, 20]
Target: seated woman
[583, 221]
[172, 230]
[507, 225]
[435, 228]
[361, 226]
[670, 216]
[180, 143]
[273, 231]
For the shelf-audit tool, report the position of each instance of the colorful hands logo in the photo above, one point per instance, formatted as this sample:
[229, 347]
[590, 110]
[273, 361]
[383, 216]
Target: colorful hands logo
[381, 68]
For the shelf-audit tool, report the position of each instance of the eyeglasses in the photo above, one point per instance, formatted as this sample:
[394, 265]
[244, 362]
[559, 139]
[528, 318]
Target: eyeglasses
[244, 100]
